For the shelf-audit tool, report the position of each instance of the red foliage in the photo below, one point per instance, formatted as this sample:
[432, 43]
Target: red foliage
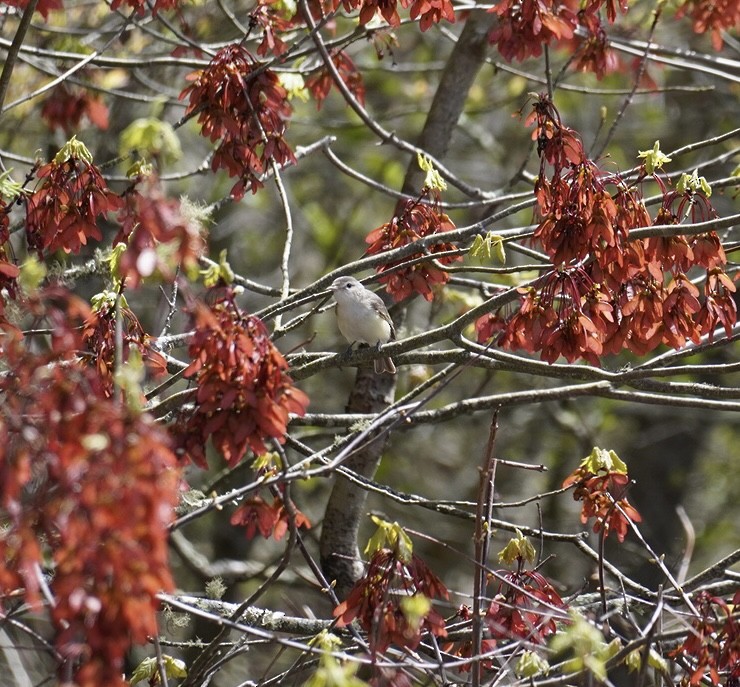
[414, 219]
[604, 499]
[269, 15]
[270, 520]
[712, 15]
[142, 6]
[375, 601]
[99, 337]
[63, 211]
[714, 640]
[244, 395]
[719, 307]
[9, 271]
[388, 9]
[88, 484]
[524, 26]
[321, 81]
[43, 7]
[64, 109]
[524, 607]
[149, 220]
[243, 106]
[607, 291]
[593, 53]
[429, 11]
[465, 649]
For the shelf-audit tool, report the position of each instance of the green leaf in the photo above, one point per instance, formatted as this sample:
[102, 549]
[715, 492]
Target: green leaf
[517, 547]
[601, 459]
[331, 671]
[9, 189]
[654, 159]
[148, 669]
[32, 273]
[433, 179]
[392, 536]
[487, 248]
[531, 664]
[415, 608]
[692, 183]
[73, 149]
[633, 661]
[266, 461]
[336, 674]
[151, 138]
[129, 377]
[106, 299]
[294, 86]
[586, 643]
[218, 273]
[114, 263]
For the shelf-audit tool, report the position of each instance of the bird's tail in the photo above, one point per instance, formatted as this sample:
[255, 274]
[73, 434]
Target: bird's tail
[383, 365]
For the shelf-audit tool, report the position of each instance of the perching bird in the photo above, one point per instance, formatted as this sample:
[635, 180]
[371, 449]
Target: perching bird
[363, 318]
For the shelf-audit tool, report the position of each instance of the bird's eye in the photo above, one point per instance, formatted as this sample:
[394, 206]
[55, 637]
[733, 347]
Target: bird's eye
[349, 286]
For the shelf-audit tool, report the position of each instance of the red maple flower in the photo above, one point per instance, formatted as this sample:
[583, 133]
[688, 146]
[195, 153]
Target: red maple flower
[142, 6]
[712, 15]
[431, 12]
[414, 219]
[87, 487]
[43, 7]
[388, 9]
[713, 643]
[607, 291]
[707, 250]
[244, 394]
[557, 144]
[603, 496]
[9, 271]
[65, 108]
[270, 16]
[525, 26]
[159, 237]
[524, 606]
[593, 54]
[466, 648]
[719, 307]
[376, 601]
[99, 335]
[270, 520]
[321, 81]
[241, 105]
[679, 307]
[63, 211]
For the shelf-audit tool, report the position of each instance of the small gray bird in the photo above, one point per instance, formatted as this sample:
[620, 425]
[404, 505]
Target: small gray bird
[363, 318]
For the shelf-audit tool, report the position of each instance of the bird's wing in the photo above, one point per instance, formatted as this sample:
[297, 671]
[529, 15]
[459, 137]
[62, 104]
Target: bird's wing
[379, 307]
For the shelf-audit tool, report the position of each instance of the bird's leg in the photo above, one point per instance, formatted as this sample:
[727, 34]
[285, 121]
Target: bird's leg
[347, 353]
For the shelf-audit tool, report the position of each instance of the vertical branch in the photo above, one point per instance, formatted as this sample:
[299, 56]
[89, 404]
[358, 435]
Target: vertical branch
[339, 551]
[548, 71]
[461, 69]
[340, 555]
[15, 48]
[638, 77]
[483, 515]
[288, 246]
